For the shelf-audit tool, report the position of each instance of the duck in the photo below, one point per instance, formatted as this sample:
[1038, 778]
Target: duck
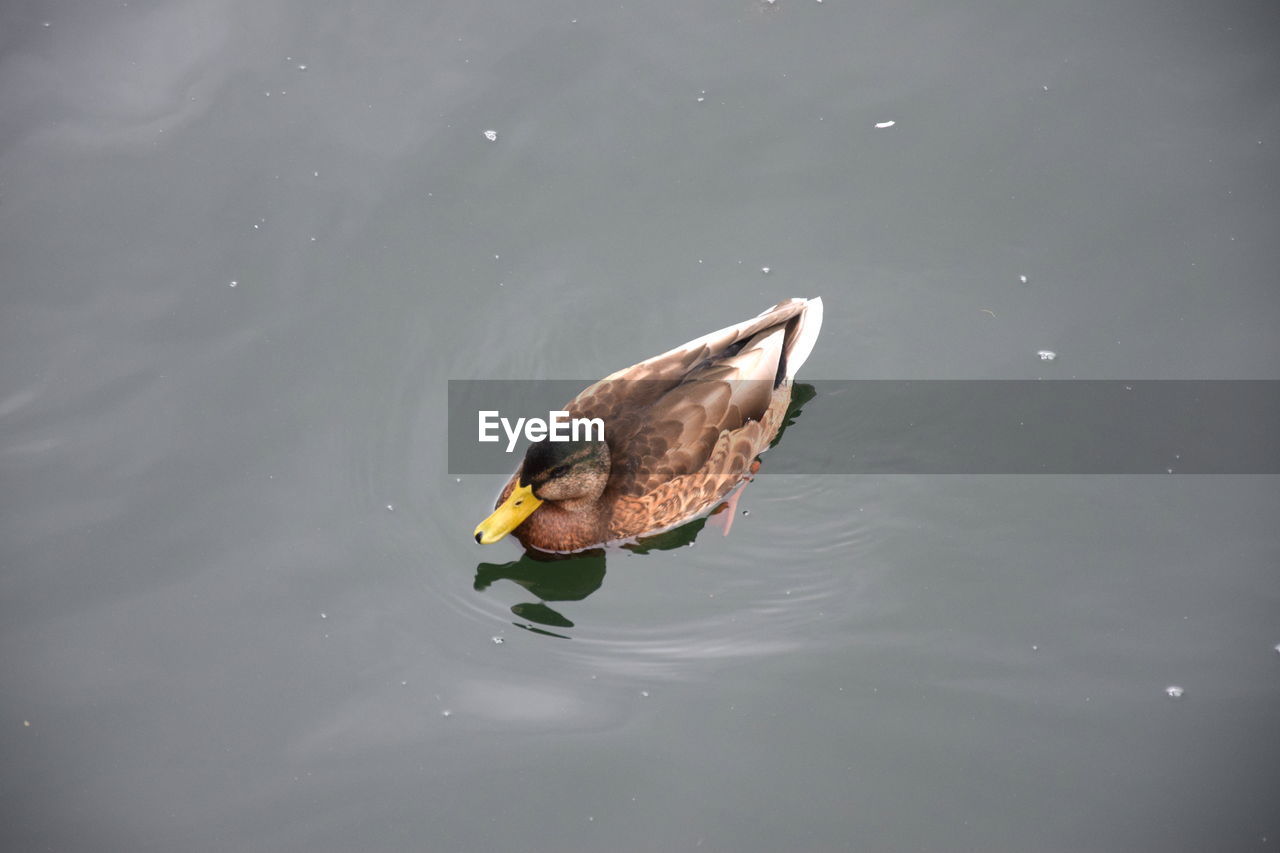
[682, 430]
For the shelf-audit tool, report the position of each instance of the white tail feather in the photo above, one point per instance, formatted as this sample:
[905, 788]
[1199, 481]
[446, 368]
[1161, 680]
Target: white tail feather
[806, 336]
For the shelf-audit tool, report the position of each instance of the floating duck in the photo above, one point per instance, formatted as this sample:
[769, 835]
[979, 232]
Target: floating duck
[682, 430]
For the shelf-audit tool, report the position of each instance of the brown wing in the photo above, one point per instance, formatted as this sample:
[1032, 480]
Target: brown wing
[676, 416]
[677, 363]
[680, 430]
[664, 503]
[668, 426]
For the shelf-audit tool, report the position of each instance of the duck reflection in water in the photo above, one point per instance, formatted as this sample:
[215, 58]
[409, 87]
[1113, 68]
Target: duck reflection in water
[552, 577]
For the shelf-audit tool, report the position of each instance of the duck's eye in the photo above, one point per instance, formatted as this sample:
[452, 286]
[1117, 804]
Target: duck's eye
[558, 471]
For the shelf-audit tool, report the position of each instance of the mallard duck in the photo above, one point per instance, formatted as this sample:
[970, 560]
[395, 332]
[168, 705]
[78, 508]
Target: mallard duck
[682, 429]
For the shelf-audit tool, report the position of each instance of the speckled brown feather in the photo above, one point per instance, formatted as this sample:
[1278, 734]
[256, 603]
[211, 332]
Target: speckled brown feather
[660, 504]
[683, 429]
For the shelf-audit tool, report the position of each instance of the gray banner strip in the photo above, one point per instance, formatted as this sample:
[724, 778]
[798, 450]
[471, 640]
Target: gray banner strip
[957, 426]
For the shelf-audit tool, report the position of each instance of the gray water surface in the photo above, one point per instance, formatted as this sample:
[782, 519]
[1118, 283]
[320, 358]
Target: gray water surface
[244, 246]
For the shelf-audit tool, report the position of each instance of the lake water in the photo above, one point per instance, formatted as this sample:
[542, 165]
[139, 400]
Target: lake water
[245, 245]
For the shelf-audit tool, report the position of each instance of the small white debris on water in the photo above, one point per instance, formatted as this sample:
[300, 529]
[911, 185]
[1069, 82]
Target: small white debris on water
[46, 23]
[1173, 691]
[457, 479]
[391, 507]
[324, 615]
[764, 270]
[1047, 355]
[1022, 278]
[233, 283]
[498, 640]
[302, 66]
[446, 713]
[1035, 648]
[1278, 648]
[491, 135]
[27, 723]
[644, 693]
[1046, 88]
[746, 512]
[884, 124]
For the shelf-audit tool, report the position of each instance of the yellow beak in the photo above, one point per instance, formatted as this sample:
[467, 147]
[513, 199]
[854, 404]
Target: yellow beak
[518, 506]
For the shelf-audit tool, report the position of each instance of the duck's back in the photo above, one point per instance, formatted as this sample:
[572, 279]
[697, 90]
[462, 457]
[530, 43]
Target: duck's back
[684, 427]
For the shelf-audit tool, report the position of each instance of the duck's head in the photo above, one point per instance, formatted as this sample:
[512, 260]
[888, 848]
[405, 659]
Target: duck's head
[570, 474]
